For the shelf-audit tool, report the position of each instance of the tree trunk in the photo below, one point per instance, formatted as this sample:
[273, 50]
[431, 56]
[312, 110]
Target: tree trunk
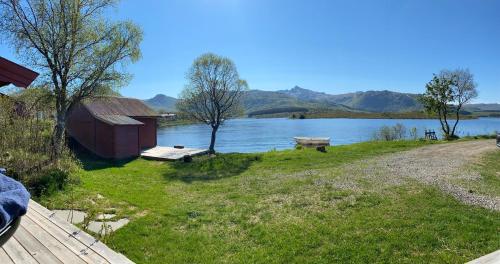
[58, 135]
[445, 118]
[456, 123]
[443, 123]
[211, 149]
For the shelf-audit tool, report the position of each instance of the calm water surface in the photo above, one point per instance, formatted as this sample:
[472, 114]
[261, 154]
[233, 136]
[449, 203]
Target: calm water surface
[259, 135]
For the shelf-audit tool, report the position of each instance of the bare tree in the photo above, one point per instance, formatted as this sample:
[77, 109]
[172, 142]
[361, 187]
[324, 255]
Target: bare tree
[213, 93]
[77, 50]
[446, 94]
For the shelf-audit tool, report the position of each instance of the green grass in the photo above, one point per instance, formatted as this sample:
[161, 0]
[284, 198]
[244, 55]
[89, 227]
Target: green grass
[274, 208]
[489, 181]
[490, 173]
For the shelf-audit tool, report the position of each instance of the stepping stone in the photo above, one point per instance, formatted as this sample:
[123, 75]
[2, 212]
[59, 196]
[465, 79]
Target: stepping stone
[98, 227]
[72, 216]
[105, 216]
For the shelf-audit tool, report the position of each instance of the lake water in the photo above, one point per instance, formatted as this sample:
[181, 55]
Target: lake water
[259, 135]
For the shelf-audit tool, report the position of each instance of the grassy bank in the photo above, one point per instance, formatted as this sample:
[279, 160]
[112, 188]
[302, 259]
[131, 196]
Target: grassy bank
[279, 206]
[162, 123]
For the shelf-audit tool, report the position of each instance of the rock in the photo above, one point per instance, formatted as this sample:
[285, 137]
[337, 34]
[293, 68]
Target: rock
[187, 158]
[321, 149]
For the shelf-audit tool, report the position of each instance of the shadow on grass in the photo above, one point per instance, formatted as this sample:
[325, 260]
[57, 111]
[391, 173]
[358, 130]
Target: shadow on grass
[90, 164]
[91, 161]
[212, 168]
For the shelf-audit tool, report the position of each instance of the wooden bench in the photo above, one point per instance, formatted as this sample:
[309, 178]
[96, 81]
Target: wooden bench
[430, 134]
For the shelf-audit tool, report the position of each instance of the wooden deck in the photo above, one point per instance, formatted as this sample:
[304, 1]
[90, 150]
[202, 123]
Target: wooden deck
[169, 153]
[44, 238]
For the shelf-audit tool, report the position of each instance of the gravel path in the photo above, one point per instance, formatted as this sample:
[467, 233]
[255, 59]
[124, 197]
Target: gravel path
[441, 165]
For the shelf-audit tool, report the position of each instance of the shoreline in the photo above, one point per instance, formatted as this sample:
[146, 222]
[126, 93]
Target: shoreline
[181, 122]
[358, 115]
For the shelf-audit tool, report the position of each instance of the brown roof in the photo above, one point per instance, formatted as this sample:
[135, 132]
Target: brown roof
[12, 73]
[118, 120]
[118, 106]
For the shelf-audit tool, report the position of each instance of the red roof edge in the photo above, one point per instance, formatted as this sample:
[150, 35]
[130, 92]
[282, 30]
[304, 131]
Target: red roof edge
[12, 73]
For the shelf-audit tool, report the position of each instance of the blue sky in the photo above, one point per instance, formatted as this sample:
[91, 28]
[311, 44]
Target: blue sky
[324, 45]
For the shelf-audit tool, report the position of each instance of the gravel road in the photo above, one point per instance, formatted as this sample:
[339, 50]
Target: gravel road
[441, 165]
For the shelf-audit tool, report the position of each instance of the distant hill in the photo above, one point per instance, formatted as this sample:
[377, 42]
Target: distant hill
[380, 101]
[306, 94]
[482, 107]
[298, 99]
[370, 101]
[162, 102]
[253, 100]
[257, 101]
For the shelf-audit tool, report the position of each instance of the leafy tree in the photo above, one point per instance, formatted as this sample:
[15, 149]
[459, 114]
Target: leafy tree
[78, 52]
[464, 90]
[213, 93]
[445, 96]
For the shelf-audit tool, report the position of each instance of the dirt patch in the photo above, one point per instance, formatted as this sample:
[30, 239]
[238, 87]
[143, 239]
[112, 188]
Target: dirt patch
[440, 165]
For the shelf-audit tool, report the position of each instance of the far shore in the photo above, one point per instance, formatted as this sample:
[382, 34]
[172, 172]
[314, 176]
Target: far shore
[358, 115]
[326, 115]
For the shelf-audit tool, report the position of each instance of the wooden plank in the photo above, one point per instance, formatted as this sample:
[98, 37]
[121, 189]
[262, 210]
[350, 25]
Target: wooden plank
[72, 243]
[94, 244]
[17, 252]
[492, 258]
[4, 258]
[36, 249]
[54, 246]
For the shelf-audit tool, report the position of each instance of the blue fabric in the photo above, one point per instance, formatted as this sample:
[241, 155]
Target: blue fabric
[14, 200]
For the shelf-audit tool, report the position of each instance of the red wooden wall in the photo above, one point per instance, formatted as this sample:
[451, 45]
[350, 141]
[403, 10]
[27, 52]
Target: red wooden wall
[147, 132]
[126, 143]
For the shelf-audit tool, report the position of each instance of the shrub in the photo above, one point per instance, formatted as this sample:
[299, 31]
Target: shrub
[25, 142]
[388, 133]
[414, 133]
[48, 182]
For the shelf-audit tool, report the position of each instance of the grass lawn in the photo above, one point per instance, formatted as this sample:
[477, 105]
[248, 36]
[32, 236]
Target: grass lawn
[489, 182]
[278, 207]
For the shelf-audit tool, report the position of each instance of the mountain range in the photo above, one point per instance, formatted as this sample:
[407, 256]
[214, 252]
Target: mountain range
[300, 99]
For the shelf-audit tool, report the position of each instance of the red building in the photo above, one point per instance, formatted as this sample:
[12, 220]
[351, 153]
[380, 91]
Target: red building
[113, 127]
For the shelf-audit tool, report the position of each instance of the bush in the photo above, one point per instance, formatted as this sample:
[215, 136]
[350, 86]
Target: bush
[414, 133]
[48, 182]
[387, 133]
[450, 137]
[25, 142]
